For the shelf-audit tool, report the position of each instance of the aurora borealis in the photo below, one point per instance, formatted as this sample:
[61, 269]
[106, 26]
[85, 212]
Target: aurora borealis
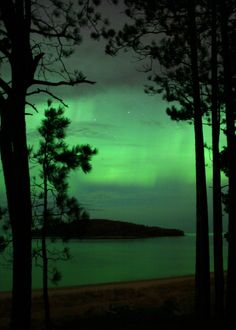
[133, 161]
[144, 171]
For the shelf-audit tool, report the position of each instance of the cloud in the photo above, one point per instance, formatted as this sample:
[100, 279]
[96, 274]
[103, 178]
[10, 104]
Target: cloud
[92, 130]
[160, 205]
[151, 123]
[106, 71]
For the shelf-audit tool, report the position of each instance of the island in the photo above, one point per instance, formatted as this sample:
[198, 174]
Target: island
[105, 229]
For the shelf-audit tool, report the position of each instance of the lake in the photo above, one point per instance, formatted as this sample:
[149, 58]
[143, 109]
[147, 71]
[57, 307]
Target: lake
[103, 261]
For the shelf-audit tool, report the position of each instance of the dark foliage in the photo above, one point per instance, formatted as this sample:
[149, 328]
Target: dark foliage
[100, 228]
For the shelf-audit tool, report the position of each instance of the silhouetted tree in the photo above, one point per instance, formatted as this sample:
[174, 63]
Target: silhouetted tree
[166, 34]
[217, 200]
[225, 13]
[202, 248]
[35, 39]
[56, 160]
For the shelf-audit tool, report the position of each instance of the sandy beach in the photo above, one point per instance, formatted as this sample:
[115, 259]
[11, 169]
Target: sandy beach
[163, 304]
[173, 296]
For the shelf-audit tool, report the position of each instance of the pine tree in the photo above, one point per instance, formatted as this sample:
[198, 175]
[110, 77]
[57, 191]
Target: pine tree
[56, 160]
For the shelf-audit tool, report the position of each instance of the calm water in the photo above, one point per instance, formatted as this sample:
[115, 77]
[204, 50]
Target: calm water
[101, 261]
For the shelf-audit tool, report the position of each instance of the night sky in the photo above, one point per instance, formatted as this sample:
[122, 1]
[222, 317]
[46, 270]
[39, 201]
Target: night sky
[144, 171]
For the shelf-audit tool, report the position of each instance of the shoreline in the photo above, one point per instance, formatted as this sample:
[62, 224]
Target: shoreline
[108, 285]
[123, 284]
[107, 237]
[163, 297]
[100, 299]
[132, 305]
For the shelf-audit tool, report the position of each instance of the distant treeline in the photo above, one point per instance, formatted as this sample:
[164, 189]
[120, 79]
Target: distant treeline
[100, 228]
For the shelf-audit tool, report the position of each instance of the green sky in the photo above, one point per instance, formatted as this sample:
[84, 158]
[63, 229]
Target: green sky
[144, 170]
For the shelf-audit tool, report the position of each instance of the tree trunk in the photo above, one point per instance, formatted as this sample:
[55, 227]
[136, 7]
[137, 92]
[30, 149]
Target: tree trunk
[217, 203]
[202, 275]
[47, 314]
[231, 145]
[14, 157]
[21, 213]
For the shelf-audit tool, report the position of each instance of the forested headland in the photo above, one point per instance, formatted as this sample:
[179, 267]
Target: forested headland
[105, 229]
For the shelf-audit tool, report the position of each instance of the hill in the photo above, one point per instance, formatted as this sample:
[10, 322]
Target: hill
[103, 228]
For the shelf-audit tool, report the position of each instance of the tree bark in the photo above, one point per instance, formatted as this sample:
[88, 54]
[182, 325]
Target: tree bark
[202, 271]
